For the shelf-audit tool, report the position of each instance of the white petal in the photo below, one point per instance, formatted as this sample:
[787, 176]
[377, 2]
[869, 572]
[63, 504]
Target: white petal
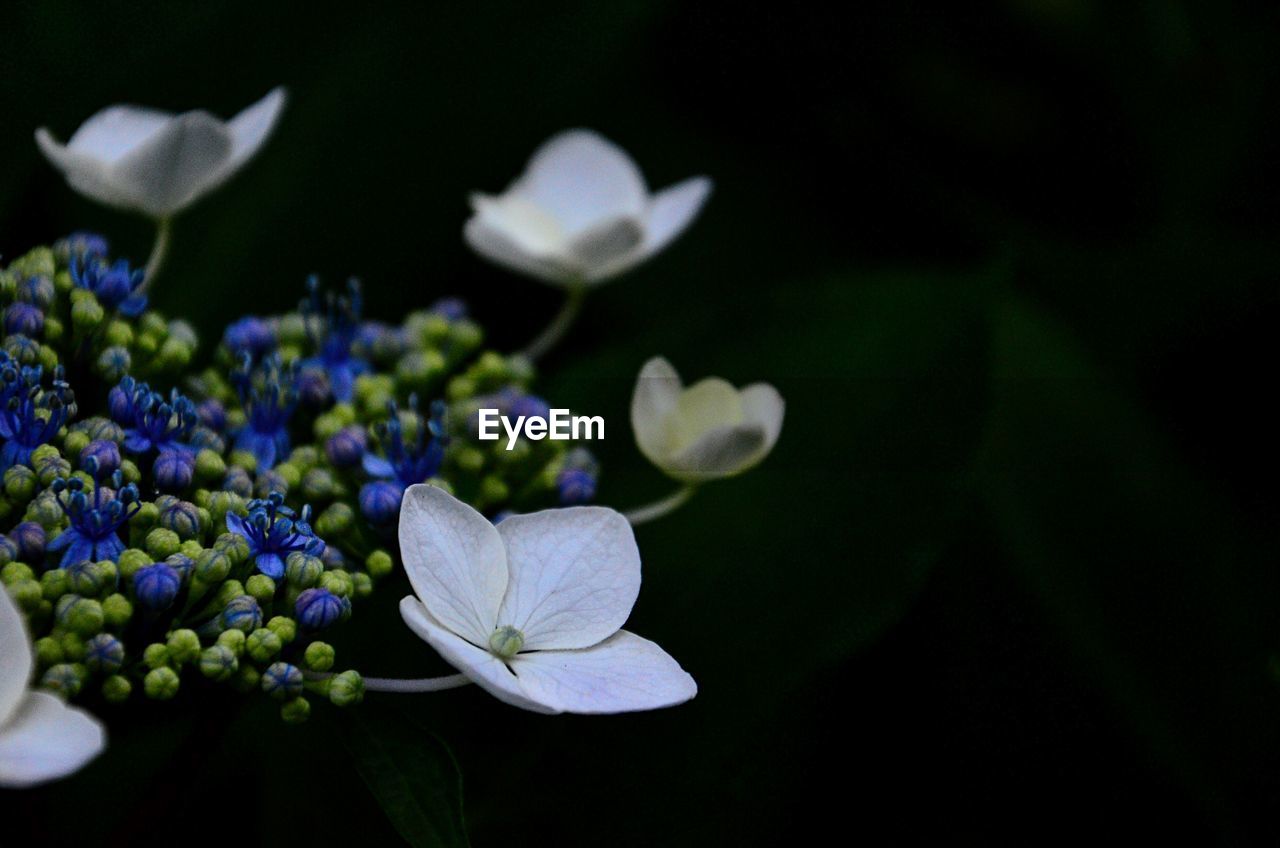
[720, 452]
[523, 222]
[761, 404]
[455, 560]
[46, 739]
[15, 657]
[498, 247]
[575, 575]
[176, 165]
[609, 248]
[655, 397]
[484, 669]
[672, 210]
[582, 179]
[85, 174]
[117, 131]
[251, 128]
[622, 674]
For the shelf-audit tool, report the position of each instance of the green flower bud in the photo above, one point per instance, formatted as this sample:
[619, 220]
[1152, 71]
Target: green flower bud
[335, 521]
[54, 583]
[466, 335]
[318, 484]
[469, 459]
[73, 647]
[48, 651]
[75, 442]
[292, 329]
[245, 460]
[305, 457]
[296, 710]
[246, 679]
[113, 363]
[290, 473]
[117, 610]
[15, 571]
[233, 640]
[210, 466]
[493, 490]
[183, 646]
[156, 655]
[191, 549]
[282, 680]
[82, 616]
[131, 559]
[218, 662]
[129, 470]
[161, 683]
[53, 330]
[27, 594]
[227, 591]
[174, 354]
[85, 578]
[506, 641]
[418, 370]
[326, 426]
[460, 388]
[145, 517]
[86, 312]
[235, 546]
[284, 627]
[319, 656]
[338, 582]
[263, 645]
[117, 689]
[346, 689]
[118, 334]
[20, 483]
[362, 584]
[162, 543]
[261, 587]
[104, 654]
[64, 678]
[303, 571]
[379, 564]
[212, 566]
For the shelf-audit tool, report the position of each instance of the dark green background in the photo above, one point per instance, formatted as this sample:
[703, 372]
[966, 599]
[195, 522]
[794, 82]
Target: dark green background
[1009, 575]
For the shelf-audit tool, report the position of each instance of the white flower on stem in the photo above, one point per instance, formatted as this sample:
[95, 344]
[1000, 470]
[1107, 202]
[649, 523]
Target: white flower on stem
[41, 738]
[157, 163]
[704, 432]
[580, 213]
[531, 609]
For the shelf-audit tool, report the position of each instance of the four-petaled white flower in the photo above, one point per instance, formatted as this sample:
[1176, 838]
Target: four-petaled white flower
[41, 738]
[704, 432]
[580, 213]
[531, 609]
[155, 162]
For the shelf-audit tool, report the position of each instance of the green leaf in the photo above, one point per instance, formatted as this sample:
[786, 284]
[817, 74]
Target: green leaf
[411, 772]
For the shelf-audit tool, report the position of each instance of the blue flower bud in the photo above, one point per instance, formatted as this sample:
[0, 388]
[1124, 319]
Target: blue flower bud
[174, 469]
[238, 481]
[380, 501]
[575, 486]
[313, 387]
[529, 406]
[449, 308]
[104, 654]
[24, 319]
[251, 335]
[106, 455]
[282, 680]
[212, 414]
[156, 585]
[182, 518]
[318, 608]
[346, 448]
[29, 539]
[242, 613]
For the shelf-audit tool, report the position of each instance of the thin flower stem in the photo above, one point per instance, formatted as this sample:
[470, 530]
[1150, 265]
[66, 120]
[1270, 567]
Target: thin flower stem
[660, 508]
[559, 325]
[159, 250]
[424, 684]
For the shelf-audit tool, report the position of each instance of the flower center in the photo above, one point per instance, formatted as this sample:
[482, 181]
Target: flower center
[506, 642]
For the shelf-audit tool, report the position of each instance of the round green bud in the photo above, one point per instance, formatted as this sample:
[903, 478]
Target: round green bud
[305, 457]
[53, 330]
[163, 543]
[282, 680]
[290, 473]
[228, 590]
[244, 459]
[117, 610]
[174, 354]
[75, 442]
[506, 641]
[113, 363]
[218, 662]
[153, 324]
[292, 329]
[466, 334]
[460, 388]
[212, 566]
[145, 517]
[156, 655]
[86, 312]
[379, 564]
[64, 678]
[493, 490]
[319, 656]
[210, 466]
[85, 578]
[335, 521]
[233, 640]
[191, 549]
[82, 616]
[119, 333]
[20, 483]
[469, 459]
[346, 689]
[15, 571]
[362, 584]
[130, 471]
[263, 645]
[326, 426]
[27, 594]
[235, 546]
[131, 559]
[284, 627]
[161, 683]
[318, 484]
[338, 582]
[73, 647]
[117, 689]
[183, 646]
[295, 710]
[261, 587]
[303, 571]
[246, 679]
[48, 651]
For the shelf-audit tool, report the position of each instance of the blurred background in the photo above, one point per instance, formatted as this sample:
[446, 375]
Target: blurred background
[1009, 575]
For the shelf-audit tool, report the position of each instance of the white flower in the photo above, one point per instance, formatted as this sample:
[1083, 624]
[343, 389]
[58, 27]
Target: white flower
[580, 213]
[155, 162]
[707, 431]
[530, 609]
[41, 738]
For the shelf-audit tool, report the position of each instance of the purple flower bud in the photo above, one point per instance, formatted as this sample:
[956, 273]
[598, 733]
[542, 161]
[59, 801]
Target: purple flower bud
[104, 452]
[346, 447]
[318, 608]
[29, 538]
[380, 501]
[212, 414]
[24, 319]
[155, 586]
[174, 469]
[251, 335]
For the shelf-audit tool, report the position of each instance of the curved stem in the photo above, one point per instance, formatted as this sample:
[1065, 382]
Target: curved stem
[559, 325]
[159, 250]
[662, 507]
[424, 684]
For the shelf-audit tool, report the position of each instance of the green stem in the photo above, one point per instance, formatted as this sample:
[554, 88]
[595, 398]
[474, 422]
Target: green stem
[559, 325]
[159, 250]
[398, 686]
[660, 508]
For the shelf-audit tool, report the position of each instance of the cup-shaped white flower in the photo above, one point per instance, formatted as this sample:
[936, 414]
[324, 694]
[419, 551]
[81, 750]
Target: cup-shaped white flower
[580, 213]
[155, 162]
[530, 609]
[41, 738]
[704, 432]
